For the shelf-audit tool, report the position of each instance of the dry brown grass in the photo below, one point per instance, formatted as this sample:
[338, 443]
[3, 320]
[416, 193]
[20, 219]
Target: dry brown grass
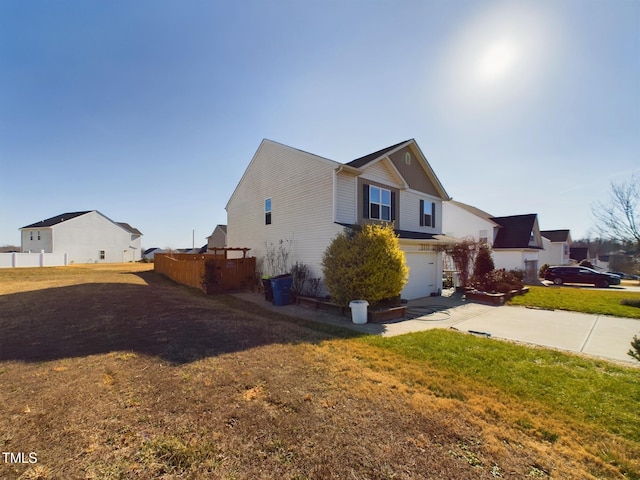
[115, 373]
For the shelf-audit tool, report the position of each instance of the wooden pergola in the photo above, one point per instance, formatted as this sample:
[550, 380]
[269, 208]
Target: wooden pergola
[224, 251]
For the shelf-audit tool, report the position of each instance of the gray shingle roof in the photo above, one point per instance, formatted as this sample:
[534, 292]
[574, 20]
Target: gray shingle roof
[63, 217]
[50, 222]
[362, 161]
[515, 231]
[129, 228]
[555, 235]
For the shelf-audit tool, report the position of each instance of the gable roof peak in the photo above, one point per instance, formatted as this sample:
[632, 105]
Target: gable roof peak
[362, 161]
[516, 230]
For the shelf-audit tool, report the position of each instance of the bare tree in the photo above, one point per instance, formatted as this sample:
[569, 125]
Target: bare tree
[620, 218]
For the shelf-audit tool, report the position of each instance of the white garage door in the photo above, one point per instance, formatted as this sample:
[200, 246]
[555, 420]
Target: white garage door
[422, 275]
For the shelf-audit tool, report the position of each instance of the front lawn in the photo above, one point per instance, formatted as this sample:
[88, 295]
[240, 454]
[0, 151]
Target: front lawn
[602, 302]
[596, 392]
[175, 384]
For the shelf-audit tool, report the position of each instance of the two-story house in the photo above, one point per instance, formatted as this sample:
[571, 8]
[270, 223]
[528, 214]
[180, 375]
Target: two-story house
[300, 201]
[87, 237]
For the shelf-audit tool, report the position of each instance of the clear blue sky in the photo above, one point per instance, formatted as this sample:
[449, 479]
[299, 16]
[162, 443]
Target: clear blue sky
[150, 111]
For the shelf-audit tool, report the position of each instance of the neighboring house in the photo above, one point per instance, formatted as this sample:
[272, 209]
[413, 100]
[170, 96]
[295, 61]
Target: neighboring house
[601, 262]
[557, 244]
[192, 251]
[577, 254]
[518, 244]
[87, 237]
[150, 252]
[464, 221]
[298, 201]
[516, 239]
[218, 239]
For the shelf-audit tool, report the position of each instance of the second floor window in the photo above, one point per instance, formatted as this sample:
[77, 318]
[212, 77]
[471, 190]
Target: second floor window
[427, 214]
[379, 203]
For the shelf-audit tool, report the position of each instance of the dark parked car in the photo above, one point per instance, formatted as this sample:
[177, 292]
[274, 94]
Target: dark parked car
[560, 275]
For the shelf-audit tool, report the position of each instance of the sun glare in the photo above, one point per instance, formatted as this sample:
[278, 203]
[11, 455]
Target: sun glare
[497, 61]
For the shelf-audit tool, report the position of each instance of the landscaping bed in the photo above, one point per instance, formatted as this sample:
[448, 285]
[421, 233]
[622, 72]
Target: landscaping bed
[494, 298]
[374, 315]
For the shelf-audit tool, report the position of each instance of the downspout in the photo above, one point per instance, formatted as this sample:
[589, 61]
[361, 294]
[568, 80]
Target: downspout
[335, 193]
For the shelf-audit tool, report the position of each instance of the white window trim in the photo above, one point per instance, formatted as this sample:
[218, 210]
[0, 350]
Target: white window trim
[380, 204]
[269, 211]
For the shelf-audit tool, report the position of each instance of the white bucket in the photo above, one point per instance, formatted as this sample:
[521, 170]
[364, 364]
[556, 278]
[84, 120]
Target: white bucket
[358, 311]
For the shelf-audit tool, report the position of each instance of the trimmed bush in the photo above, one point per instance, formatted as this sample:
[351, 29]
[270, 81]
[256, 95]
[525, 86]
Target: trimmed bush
[364, 263]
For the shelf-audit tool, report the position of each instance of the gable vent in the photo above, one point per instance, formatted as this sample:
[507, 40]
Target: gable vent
[407, 158]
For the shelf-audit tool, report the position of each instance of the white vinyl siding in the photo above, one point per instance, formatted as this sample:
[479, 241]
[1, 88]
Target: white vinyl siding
[382, 172]
[459, 222]
[301, 188]
[84, 237]
[37, 241]
[346, 198]
[410, 212]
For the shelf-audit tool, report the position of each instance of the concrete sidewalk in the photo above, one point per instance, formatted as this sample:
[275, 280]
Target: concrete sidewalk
[595, 335]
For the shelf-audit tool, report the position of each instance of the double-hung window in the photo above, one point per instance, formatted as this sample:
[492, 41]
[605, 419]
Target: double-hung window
[379, 203]
[427, 214]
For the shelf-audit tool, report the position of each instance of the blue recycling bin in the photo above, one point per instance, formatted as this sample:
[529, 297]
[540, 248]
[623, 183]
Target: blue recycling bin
[281, 288]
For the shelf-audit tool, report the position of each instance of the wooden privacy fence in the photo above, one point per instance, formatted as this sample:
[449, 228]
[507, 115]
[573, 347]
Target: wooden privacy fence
[212, 273]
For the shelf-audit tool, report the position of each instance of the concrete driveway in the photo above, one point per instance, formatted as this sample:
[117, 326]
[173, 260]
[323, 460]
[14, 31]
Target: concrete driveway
[596, 335]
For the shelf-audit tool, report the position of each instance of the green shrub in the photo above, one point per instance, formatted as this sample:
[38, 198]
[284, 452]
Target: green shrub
[483, 264]
[364, 263]
[630, 302]
[634, 351]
